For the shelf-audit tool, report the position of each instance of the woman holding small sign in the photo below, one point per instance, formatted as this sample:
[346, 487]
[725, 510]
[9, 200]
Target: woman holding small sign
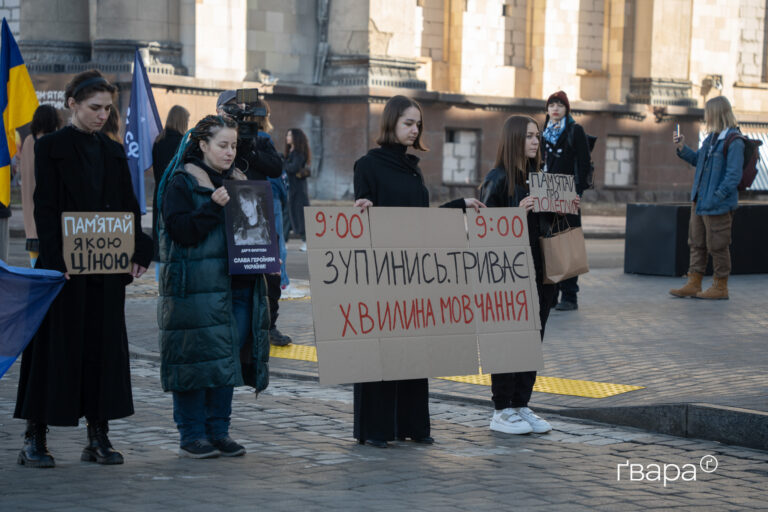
[566, 151]
[506, 186]
[213, 326]
[389, 176]
[77, 364]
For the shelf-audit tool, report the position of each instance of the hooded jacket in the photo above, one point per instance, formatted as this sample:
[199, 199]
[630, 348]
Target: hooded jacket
[717, 175]
[199, 343]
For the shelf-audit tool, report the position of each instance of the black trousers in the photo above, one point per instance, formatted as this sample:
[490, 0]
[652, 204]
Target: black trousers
[389, 409]
[514, 389]
[568, 289]
[273, 297]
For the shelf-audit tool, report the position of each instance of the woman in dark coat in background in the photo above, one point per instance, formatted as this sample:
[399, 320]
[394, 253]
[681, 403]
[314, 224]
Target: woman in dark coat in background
[389, 176]
[566, 151]
[163, 150]
[297, 157]
[77, 364]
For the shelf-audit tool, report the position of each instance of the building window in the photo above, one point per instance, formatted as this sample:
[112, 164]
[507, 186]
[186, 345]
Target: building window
[591, 21]
[514, 12]
[460, 156]
[620, 161]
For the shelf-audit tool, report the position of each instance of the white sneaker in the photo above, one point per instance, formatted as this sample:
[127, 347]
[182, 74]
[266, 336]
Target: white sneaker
[510, 422]
[538, 424]
[303, 247]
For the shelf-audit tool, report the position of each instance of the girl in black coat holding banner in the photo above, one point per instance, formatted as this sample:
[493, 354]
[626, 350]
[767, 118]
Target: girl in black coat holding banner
[77, 364]
[389, 176]
[506, 186]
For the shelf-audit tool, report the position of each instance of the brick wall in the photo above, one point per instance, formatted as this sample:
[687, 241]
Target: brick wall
[460, 157]
[620, 161]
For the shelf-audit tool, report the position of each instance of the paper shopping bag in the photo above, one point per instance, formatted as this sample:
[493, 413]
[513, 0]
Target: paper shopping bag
[564, 254]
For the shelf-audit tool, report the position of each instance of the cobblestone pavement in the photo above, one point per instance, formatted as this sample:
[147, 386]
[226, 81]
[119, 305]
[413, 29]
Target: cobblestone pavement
[628, 330]
[301, 457]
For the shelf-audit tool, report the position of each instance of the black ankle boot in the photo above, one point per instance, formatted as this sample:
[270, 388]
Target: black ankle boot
[35, 453]
[99, 448]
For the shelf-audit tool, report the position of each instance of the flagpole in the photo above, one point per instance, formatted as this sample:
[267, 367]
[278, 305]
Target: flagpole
[4, 233]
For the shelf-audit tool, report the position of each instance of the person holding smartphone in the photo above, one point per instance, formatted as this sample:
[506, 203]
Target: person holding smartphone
[714, 196]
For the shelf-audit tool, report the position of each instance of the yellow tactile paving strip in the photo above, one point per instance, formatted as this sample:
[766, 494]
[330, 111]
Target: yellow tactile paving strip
[294, 351]
[552, 385]
[558, 386]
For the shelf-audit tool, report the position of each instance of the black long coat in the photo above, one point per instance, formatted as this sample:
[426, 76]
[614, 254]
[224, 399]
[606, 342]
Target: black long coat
[298, 195]
[388, 176]
[53, 385]
[163, 152]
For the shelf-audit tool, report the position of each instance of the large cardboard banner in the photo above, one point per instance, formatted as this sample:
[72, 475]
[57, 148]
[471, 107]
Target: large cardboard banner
[250, 224]
[97, 242]
[553, 192]
[403, 293]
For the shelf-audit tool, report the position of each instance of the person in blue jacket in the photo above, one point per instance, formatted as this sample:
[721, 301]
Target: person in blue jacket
[714, 196]
[277, 282]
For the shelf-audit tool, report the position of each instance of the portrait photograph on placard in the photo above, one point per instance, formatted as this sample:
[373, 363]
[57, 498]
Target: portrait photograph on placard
[251, 236]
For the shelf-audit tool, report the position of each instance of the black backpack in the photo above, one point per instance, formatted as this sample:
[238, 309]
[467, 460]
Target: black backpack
[751, 156]
[588, 177]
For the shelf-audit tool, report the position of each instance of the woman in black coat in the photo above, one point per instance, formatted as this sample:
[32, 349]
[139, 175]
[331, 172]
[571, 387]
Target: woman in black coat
[163, 151]
[506, 186]
[566, 151]
[298, 157]
[77, 364]
[389, 176]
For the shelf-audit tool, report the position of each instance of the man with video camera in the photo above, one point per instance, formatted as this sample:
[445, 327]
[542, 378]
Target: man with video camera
[258, 159]
[256, 155]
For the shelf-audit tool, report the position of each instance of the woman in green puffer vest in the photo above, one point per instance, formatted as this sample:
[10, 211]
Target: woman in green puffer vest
[213, 326]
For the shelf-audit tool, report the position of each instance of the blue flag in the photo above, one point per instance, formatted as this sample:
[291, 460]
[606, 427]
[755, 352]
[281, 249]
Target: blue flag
[26, 294]
[142, 125]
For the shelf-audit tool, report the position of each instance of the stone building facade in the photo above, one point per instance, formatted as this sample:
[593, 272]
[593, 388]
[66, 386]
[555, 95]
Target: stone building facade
[633, 69]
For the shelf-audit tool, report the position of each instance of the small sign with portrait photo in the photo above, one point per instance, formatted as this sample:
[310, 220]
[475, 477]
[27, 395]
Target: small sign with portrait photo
[250, 222]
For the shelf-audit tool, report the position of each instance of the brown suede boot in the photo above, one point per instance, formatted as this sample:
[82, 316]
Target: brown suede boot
[718, 290]
[691, 288]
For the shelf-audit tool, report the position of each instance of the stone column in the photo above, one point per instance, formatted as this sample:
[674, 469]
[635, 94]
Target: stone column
[662, 48]
[372, 43]
[620, 43]
[54, 34]
[117, 28]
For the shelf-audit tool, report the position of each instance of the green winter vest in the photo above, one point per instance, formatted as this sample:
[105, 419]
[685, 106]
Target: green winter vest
[199, 344]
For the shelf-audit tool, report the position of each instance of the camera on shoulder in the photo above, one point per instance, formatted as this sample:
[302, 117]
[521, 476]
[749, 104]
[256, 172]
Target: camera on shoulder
[247, 127]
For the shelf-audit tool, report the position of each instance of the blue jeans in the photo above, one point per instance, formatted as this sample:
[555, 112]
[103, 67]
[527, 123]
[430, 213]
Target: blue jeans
[278, 208]
[204, 413]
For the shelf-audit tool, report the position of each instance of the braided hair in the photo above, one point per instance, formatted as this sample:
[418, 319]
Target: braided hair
[189, 147]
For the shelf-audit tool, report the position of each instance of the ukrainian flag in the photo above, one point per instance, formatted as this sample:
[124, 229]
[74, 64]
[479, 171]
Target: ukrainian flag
[18, 103]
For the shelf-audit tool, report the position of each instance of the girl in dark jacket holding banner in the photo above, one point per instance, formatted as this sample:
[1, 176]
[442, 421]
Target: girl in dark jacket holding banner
[389, 176]
[566, 151]
[213, 327]
[506, 186]
[77, 365]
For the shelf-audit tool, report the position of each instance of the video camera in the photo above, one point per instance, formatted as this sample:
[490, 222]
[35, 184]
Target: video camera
[246, 128]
